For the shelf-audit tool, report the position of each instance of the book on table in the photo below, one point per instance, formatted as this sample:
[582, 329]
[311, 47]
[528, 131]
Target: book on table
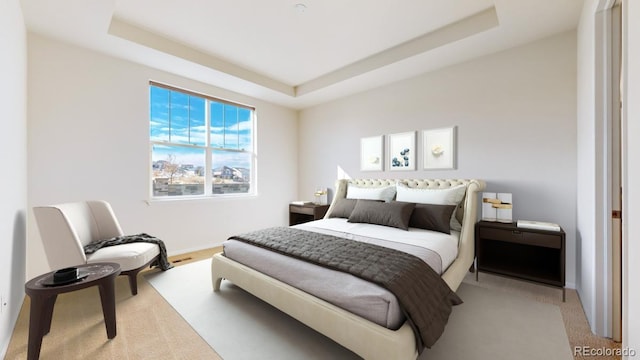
[301, 202]
[539, 225]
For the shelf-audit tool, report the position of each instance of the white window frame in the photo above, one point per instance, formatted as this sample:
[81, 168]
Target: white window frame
[208, 149]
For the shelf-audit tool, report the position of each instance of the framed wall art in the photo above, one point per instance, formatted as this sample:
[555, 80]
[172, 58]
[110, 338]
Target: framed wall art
[401, 154]
[371, 150]
[439, 147]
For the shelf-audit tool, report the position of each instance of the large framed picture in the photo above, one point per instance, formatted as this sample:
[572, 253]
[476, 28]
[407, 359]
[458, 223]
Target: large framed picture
[401, 154]
[371, 150]
[439, 147]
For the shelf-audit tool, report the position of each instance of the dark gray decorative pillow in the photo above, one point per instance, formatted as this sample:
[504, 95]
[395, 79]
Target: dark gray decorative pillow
[343, 208]
[395, 213]
[432, 217]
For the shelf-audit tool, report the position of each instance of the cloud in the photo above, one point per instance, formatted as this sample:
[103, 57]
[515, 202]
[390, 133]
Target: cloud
[180, 118]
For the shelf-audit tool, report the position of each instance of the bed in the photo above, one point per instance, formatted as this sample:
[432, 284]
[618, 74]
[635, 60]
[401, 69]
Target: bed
[366, 337]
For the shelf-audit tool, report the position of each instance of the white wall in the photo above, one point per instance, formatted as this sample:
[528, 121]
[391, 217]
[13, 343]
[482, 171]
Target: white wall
[631, 178]
[88, 139]
[516, 118]
[586, 188]
[593, 233]
[13, 151]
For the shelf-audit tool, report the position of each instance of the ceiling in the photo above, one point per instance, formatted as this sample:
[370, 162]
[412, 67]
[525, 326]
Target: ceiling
[299, 53]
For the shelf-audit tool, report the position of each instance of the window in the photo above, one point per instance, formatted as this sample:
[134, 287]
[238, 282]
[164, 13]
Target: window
[200, 146]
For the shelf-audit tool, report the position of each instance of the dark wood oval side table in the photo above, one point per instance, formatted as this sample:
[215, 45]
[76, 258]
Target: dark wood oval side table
[43, 296]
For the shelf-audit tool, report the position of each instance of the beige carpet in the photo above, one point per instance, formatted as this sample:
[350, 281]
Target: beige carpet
[489, 325]
[148, 328]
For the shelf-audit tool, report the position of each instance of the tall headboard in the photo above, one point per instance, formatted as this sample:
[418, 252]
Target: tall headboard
[466, 213]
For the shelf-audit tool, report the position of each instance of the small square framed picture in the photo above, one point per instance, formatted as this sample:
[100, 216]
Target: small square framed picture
[401, 154]
[371, 149]
[439, 148]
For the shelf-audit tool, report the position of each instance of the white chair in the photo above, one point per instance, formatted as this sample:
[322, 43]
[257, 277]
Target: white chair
[66, 228]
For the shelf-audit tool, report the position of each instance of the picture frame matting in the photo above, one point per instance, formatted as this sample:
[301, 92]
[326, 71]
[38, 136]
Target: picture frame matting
[371, 153]
[401, 152]
[439, 148]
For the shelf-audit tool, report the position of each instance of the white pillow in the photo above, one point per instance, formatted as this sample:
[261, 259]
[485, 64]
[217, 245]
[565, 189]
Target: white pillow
[385, 193]
[448, 196]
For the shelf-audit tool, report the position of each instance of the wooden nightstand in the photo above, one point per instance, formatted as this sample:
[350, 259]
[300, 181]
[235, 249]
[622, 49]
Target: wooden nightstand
[527, 254]
[299, 214]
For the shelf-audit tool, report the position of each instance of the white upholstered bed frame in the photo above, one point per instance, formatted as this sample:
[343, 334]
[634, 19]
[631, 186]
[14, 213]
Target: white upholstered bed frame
[363, 337]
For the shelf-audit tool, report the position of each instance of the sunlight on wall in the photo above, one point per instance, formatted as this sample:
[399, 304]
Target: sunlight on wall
[342, 174]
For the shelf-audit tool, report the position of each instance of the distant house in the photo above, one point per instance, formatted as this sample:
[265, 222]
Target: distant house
[229, 173]
[159, 165]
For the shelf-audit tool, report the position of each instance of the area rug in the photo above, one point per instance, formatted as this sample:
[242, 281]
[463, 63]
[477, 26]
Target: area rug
[489, 325]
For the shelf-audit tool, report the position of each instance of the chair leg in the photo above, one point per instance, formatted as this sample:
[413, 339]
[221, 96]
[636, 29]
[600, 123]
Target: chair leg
[133, 276]
[133, 282]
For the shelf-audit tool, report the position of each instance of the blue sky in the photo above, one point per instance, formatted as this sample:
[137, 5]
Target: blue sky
[180, 119]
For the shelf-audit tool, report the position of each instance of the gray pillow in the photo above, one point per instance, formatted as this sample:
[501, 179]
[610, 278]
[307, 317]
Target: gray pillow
[343, 208]
[394, 214]
[432, 217]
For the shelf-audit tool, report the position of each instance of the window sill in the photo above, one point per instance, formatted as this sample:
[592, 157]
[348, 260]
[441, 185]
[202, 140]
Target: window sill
[216, 198]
